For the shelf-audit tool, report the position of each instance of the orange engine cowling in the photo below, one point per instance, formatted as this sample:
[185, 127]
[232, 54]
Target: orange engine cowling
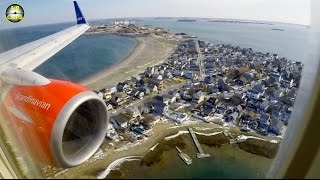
[60, 123]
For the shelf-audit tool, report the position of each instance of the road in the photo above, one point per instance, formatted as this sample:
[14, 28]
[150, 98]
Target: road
[200, 60]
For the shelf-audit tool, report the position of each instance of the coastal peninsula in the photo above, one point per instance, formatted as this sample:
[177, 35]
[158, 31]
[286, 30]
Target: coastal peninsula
[230, 96]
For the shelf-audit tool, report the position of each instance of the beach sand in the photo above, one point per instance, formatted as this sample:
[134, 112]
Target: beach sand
[148, 52]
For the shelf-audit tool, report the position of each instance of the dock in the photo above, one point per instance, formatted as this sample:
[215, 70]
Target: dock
[184, 156]
[200, 154]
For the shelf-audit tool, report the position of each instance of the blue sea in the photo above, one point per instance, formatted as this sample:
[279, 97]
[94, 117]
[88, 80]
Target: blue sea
[90, 54]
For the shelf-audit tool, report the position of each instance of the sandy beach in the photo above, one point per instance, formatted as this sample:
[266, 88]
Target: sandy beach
[148, 52]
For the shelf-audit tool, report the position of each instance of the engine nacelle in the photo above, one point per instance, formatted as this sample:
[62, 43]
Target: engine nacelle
[61, 123]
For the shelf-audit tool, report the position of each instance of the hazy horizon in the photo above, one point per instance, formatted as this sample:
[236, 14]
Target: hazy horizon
[49, 12]
[138, 18]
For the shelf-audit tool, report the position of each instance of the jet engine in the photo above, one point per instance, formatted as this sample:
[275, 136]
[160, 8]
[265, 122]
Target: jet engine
[61, 123]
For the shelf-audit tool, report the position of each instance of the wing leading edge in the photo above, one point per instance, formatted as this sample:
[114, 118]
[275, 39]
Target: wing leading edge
[31, 55]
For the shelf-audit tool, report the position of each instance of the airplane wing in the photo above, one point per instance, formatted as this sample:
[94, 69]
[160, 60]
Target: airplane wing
[33, 54]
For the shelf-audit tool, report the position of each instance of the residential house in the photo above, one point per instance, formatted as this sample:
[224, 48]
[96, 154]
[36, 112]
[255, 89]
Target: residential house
[111, 133]
[151, 69]
[276, 127]
[118, 97]
[120, 121]
[160, 100]
[215, 89]
[171, 98]
[221, 108]
[160, 108]
[130, 83]
[275, 76]
[145, 90]
[231, 117]
[263, 124]
[209, 79]
[189, 75]
[178, 73]
[121, 87]
[136, 78]
[275, 110]
[157, 77]
[185, 94]
[109, 106]
[198, 97]
[133, 112]
[285, 114]
[167, 74]
[113, 90]
[176, 94]
[253, 94]
[264, 106]
[137, 94]
[276, 95]
[211, 102]
[240, 82]
[100, 94]
[106, 93]
[153, 88]
[287, 82]
[158, 83]
[260, 87]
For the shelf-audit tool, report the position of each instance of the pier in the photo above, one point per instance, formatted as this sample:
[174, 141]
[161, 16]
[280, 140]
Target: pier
[184, 156]
[200, 154]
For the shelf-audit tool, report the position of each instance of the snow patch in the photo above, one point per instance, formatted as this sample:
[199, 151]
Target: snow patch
[244, 137]
[176, 135]
[115, 164]
[274, 141]
[151, 149]
[211, 134]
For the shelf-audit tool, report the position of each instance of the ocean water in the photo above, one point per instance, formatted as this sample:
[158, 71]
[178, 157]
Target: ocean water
[292, 43]
[86, 56]
[226, 162]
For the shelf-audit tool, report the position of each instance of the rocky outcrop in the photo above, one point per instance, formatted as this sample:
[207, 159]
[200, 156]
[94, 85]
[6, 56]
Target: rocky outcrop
[260, 147]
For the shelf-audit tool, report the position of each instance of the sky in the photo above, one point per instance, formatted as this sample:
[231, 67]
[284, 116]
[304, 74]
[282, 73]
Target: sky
[53, 11]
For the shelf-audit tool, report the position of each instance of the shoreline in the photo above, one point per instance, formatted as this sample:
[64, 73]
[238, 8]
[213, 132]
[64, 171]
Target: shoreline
[142, 147]
[92, 78]
[115, 164]
[148, 51]
[167, 139]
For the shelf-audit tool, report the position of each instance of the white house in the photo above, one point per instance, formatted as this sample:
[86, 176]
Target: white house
[198, 97]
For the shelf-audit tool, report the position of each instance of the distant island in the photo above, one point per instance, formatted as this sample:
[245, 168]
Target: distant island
[186, 20]
[275, 29]
[163, 18]
[236, 21]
